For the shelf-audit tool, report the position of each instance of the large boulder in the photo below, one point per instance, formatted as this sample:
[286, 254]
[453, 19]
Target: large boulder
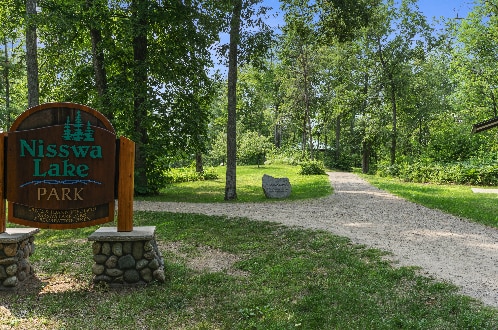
[276, 187]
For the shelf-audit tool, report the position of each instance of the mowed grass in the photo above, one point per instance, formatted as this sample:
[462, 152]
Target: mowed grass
[238, 274]
[458, 200]
[277, 278]
[249, 186]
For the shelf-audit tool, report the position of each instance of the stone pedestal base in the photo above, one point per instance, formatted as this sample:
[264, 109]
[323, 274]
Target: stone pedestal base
[126, 258]
[16, 245]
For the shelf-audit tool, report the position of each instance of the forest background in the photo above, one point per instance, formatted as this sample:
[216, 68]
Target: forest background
[368, 83]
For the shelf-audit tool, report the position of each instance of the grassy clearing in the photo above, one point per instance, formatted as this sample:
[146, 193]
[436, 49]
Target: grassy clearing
[277, 278]
[238, 274]
[248, 186]
[458, 200]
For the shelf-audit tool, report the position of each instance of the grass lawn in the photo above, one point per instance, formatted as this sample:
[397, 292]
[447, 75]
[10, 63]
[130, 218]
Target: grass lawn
[238, 274]
[248, 186]
[272, 277]
[458, 200]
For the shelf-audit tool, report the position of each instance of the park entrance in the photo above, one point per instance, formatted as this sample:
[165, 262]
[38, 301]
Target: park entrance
[62, 167]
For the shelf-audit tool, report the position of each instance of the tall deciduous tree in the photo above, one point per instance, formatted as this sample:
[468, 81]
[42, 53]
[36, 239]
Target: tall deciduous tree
[153, 81]
[255, 44]
[95, 19]
[140, 24]
[32, 54]
[12, 61]
[299, 54]
[474, 62]
[231, 170]
[398, 37]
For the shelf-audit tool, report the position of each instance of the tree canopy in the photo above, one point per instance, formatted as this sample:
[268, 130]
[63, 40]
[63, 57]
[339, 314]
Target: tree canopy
[365, 83]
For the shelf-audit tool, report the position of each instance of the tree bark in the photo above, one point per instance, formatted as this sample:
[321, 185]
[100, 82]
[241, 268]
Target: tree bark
[277, 139]
[231, 171]
[394, 132]
[7, 88]
[307, 107]
[338, 139]
[32, 55]
[139, 9]
[199, 168]
[365, 159]
[99, 70]
[392, 96]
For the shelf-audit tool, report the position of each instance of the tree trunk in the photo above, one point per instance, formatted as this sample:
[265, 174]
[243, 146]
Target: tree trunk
[7, 88]
[307, 113]
[100, 73]
[31, 55]
[139, 9]
[231, 171]
[338, 139]
[394, 133]
[199, 168]
[99, 70]
[277, 130]
[392, 96]
[365, 159]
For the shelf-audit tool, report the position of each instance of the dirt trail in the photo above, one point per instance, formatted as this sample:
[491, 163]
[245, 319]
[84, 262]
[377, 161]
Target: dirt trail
[444, 246]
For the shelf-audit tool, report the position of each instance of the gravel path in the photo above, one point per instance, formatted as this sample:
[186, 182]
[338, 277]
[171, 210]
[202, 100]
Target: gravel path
[444, 246]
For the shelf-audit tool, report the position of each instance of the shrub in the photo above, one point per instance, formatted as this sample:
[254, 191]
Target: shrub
[474, 172]
[252, 148]
[284, 155]
[345, 162]
[312, 167]
[189, 174]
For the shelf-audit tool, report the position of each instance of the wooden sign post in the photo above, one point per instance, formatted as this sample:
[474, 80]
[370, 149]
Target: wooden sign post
[63, 168]
[3, 225]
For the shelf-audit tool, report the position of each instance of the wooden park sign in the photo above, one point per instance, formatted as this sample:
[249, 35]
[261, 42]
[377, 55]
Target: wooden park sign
[63, 168]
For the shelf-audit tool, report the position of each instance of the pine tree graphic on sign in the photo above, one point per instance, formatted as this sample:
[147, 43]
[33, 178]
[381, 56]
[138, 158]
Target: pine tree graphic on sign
[67, 130]
[88, 133]
[78, 125]
[77, 133]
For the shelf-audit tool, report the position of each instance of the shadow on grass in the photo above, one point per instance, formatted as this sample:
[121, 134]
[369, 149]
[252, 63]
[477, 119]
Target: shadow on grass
[293, 278]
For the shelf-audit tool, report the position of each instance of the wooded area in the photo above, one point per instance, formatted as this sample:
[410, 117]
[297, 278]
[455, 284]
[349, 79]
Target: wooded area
[366, 83]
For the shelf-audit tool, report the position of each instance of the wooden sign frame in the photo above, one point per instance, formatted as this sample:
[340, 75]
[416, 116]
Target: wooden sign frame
[62, 167]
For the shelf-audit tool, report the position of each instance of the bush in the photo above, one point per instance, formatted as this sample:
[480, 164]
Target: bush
[252, 148]
[189, 174]
[474, 172]
[285, 156]
[345, 162]
[312, 167]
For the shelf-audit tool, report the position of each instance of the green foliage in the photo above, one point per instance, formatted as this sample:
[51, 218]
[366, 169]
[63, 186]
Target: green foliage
[248, 186]
[284, 156]
[160, 102]
[189, 174]
[252, 148]
[312, 167]
[331, 79]
[345, 162]
[473, 172]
